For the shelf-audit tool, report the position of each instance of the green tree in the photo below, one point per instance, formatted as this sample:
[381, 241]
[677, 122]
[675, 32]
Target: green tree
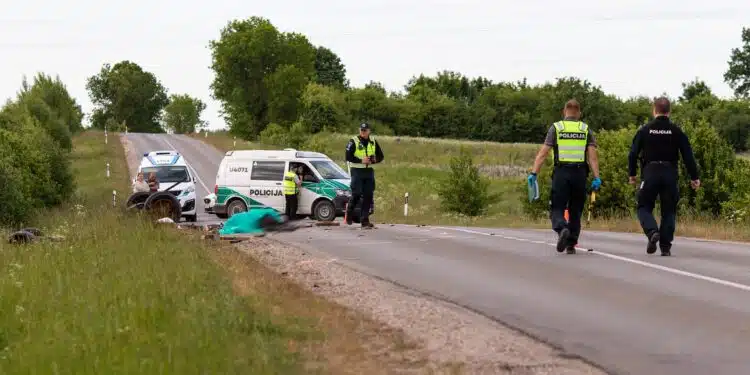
[183, 114]
[128, 94]
[738, 73]
[464, 190]
[323, 108]
[695, 89]
[260, 74]
[329, 69]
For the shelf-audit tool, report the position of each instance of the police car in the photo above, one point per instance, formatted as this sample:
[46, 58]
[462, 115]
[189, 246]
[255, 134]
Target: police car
[170, 168]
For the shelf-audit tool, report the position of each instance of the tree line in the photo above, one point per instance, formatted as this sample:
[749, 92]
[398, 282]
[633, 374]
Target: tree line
[36, 129]
[274, 81]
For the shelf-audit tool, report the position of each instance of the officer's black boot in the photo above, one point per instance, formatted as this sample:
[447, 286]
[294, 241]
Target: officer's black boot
[562, 240]
[666, 250]
[653, 240]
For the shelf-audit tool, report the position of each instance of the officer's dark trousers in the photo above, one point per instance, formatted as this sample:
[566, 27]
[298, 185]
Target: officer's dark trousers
[568, 191]
[661, 180]
[363, 187]
[291, 206]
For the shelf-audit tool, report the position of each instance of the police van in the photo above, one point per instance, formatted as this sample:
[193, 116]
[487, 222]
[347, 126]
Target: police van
[254, 178]
[170, 167]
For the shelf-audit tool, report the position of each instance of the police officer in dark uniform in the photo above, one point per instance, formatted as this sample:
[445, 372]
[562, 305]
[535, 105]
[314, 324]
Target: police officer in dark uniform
[657, 145]
[362, 153]
[575, 151]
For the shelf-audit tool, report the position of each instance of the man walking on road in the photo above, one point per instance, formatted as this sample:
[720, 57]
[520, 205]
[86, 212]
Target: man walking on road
[362, 153]
[657, 145]
[292, 187]
[574, 146]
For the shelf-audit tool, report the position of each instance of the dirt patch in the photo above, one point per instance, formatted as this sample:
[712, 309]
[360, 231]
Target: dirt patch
[130, 154]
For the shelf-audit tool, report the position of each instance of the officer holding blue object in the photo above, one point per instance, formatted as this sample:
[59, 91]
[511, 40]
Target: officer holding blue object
[657, 145]
[574, 148]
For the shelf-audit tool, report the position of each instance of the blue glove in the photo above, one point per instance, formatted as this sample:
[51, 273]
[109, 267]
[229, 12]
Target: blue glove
[596, 184]
[531, 179]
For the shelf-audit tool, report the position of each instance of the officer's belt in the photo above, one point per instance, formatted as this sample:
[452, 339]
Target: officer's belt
[571, 165]
[661, 162]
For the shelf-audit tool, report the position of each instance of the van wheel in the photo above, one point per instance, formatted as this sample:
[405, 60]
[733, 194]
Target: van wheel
[191, 218]
[235, 207]
[222, 216]
[324, 211]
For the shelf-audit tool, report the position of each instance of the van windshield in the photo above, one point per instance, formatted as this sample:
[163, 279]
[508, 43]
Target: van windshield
[329, 170]
[167, 173]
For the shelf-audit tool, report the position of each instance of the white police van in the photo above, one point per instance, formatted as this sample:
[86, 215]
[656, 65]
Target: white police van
[170, 168]
[254, 178]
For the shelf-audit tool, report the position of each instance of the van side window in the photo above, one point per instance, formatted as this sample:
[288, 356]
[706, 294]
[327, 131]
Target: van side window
[268, 170]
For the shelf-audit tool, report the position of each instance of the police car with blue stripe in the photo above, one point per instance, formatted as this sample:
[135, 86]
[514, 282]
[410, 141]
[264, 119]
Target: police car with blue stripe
[170, 167]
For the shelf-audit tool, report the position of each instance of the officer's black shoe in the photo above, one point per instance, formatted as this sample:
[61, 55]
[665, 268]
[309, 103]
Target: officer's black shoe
[367, 225]
[349, 219]
[571, 249]
[653, 240]
[666, 251]
[562, 240]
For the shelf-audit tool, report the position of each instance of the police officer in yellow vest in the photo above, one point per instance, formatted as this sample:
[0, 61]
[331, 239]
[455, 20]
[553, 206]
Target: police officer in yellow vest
[292, 186]
[574, 145]
[362, 153]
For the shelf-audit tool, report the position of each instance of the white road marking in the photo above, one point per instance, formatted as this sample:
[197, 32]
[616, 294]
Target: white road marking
[675, 271]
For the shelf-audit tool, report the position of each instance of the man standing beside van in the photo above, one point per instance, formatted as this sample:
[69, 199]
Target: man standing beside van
[362, 152]
[292, 186]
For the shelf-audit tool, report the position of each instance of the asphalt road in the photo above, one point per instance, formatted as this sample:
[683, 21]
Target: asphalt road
[626, 311]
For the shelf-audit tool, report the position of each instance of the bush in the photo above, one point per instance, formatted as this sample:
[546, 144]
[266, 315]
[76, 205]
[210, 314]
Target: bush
[724, 178]
[465, 191]
[35, 139]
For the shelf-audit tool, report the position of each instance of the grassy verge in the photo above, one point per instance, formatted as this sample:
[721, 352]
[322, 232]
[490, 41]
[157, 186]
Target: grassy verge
[122, 295]
[417, 165]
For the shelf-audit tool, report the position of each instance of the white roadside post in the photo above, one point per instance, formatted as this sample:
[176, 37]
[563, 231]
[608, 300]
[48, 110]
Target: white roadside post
[205, 134]
[114, 198]
[235, 142]
[406, 204]
[107, 170]
[105, 135]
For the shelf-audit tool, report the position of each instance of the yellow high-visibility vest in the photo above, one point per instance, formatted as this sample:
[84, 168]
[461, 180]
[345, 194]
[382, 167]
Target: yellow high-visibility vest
[361, 152]
[572, 137]
[290, 187]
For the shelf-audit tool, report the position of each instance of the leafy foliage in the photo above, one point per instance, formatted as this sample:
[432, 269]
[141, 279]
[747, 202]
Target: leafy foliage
[724, 177]
[183, 114]
[465, 191]
[738, 73]
[35, 142]
[128, 94]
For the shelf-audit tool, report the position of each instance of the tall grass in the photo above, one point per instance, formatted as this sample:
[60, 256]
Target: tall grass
[122, 296]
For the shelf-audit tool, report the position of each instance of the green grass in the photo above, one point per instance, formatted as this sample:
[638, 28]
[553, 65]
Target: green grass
[417, 165]
[121, 295]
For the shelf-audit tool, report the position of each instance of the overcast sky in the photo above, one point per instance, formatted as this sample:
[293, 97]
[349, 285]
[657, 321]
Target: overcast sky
[628, 47]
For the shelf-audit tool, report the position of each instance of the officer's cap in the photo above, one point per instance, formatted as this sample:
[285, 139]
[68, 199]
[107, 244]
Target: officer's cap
[364, 126]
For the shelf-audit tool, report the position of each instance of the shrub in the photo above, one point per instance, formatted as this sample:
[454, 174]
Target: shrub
[465, 191]
[723, 176]
[35, 139]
